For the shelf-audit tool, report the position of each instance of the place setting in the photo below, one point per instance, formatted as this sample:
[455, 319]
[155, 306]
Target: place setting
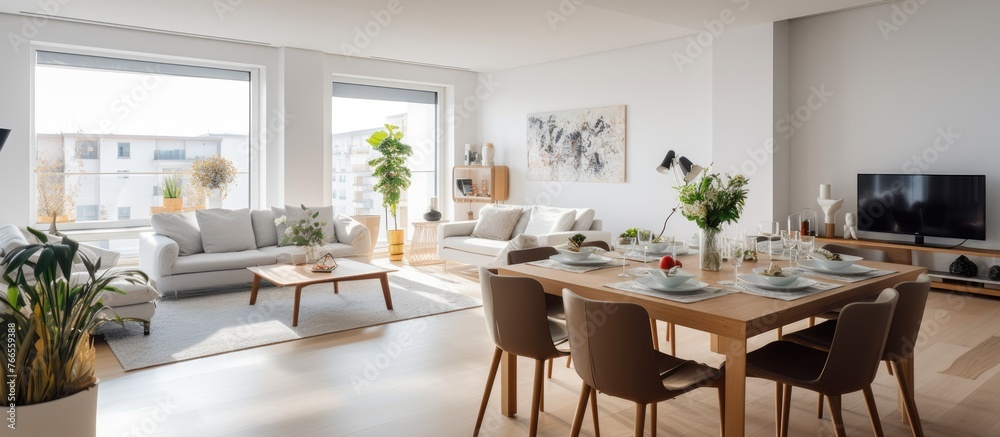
[840, 267]
[573, 257]
[670, 282]
[779, 283]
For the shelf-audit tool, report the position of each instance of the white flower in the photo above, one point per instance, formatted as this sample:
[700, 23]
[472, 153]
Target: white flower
[280, 220]
[288, 231]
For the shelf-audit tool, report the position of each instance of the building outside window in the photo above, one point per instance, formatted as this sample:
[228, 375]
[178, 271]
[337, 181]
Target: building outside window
[124, 150]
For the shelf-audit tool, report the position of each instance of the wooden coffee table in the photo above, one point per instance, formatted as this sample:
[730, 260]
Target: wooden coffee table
[284, 275]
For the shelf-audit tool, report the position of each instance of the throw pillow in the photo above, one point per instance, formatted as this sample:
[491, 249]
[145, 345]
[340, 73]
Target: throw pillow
[11, 238]
[226, 230]
[180, 227]
[264, 229]
[546, 220]
[296, 213]
[496, 222]
[584, 219]
[522, 223]
[517, 243]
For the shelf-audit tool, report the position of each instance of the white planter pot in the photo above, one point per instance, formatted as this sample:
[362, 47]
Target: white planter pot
[74, 415]
[215, 198]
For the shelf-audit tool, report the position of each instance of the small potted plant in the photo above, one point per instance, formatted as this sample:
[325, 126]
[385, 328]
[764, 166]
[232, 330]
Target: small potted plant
[393, 178]
[214, 174]
[48, 314]
[308, 232]
[172, 199]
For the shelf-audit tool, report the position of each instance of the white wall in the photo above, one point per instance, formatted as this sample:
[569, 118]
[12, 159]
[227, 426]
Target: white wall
[667, 108]
[898, 80]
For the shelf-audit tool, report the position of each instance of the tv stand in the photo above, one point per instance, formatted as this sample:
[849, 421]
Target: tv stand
[904, 253]
[918, 240]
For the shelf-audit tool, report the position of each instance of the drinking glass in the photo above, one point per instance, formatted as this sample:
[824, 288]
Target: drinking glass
[623, 245]
[736, 248]
[645, 238]
[769, 230]
[806, 243]
[788, 241]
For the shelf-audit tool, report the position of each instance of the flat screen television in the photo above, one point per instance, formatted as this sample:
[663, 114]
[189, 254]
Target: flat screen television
[950, 206]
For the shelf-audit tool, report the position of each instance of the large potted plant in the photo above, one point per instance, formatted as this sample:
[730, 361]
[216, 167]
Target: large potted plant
[48, 314]
[393, 178]
[214, 174]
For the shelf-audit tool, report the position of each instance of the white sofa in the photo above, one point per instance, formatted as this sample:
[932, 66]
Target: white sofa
[164, 259]
[456, 243]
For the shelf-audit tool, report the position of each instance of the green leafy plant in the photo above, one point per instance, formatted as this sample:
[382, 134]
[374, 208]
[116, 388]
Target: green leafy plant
[712, 201]
[172, 188]
[49, 313]
[390, 168]
[307, 232]
[630, 233]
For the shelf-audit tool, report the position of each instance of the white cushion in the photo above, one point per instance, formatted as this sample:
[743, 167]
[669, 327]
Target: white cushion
[134, 294]
[584, 218]
[180, 227]
[226, 230]
[522, 222]
[547, 219]
[296, 213]
[481, 246]
[264, 230]
[517, 243]
[279, 230]
[11, 238]
[211, 262]
[496, 222]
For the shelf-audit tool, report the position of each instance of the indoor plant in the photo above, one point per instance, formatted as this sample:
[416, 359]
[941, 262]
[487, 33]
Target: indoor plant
[49, 313]
[172, 199]
[710, 203]
[214, 174]
[393, 178]
[308, 232]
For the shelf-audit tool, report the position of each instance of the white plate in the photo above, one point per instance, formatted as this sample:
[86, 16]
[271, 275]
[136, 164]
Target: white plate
[754, 279]
[593, 260]
[850, 271]
[686, 287]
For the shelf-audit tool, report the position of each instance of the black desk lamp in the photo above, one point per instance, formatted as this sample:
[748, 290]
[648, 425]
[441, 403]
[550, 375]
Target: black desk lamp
[683, 171]
[4, 133]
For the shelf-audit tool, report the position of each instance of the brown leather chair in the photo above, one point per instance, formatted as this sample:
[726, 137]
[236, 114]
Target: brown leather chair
[515, 318]
[848, 366]
[611, 346]
[899, 343]
[553, 303]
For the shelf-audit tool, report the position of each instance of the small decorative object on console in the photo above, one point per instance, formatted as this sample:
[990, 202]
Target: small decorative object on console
[488, 153]
[964, 267]
[995, 273]
[325, 264]
[851, 226]
[829, 205]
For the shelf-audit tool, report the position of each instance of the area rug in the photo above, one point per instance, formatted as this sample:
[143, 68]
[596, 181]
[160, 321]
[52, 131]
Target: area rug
[210, 324]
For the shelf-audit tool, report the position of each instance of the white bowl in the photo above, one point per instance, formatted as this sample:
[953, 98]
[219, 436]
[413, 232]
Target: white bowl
[790, 276]
[661, 278]
[583, 254]
[845, 262]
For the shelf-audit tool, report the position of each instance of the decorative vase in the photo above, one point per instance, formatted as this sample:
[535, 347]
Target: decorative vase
[215, 198]
[74, 415]
[710, 249]
[173, 204]
[432, 215]
[488, 153]
[312, 253]
[396, 239]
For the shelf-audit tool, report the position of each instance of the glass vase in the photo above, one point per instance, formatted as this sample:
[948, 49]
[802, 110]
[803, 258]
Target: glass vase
[312, 253]
[710, 249]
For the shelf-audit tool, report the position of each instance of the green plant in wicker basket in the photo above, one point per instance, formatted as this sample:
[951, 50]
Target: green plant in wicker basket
[390, 168]
[172, 188]
[49, 313]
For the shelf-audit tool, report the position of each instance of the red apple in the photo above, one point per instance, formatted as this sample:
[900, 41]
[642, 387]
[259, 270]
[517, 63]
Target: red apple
[668, 262]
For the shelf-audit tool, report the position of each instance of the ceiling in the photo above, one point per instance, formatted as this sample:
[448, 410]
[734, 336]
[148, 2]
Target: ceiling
[480, 35]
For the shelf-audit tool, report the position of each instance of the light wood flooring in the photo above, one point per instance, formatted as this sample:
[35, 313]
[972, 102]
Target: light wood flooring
[425, 378]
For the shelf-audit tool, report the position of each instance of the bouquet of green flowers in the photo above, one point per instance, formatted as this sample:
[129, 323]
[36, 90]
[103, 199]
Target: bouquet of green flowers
[307, 232]
[712, 201]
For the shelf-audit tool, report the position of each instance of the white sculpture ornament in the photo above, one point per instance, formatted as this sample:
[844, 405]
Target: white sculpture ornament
[830, 207]
[851, 228]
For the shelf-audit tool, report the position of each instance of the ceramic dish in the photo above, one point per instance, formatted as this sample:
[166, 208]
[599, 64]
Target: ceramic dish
[758, 281]
[593, 260]
[661, 278]
[584, 253]
[790, 276]
[852, 270]
[845, 262]
[680, 248]
[686, 287]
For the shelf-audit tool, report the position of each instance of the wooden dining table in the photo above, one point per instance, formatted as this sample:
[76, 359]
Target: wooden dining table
[731, 319]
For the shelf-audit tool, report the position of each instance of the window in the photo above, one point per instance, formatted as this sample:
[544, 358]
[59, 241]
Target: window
[360, 110]
[124, 150]
[132, 123]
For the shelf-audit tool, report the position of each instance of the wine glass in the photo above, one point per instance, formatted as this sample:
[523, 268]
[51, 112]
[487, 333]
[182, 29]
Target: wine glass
[769, 230]
[788, 240]
[623, 245]
[806, 243]
[737, 246]
[645, 237]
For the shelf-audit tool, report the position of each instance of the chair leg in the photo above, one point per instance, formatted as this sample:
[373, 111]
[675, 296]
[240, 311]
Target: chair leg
[593, 412]
[819, 405]
[656, 338]
[672, 338]
[888, 366]
[786, 409]
[640, 419]
[581, 409]
[838, 418]
[652, 419]
[812, 321]
[489, 387]
[536, 397]
[873, 411]
[145, 328]
[569, 360]
[550, 367]
[541, 392]
[779, 332]
[909, 401]
[778, 389]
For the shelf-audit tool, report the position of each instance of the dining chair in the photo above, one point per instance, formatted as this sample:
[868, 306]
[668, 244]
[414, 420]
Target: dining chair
[848, 366]
[898, 351]
[515, 315]
[611, 347]
[553, 303]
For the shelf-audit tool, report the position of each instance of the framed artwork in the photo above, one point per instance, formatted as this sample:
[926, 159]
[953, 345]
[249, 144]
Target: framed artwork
[581, 145]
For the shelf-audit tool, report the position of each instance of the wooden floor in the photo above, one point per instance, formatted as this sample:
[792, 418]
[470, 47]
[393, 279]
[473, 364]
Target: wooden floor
[425, 378]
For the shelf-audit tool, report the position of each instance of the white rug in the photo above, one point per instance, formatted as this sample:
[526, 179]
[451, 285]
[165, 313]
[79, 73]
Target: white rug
[192, 327]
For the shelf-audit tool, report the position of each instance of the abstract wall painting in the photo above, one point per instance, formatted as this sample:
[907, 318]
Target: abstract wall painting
[581, 145]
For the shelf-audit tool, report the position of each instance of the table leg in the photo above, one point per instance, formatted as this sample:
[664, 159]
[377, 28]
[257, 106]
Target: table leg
[736, 384]
[385, 291]
[295, 312]
[253, 290]
[508, 384]
[336, 287]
